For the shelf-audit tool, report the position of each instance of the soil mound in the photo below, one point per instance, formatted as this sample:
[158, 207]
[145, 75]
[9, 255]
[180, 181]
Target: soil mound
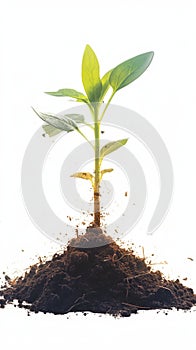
[106, 279]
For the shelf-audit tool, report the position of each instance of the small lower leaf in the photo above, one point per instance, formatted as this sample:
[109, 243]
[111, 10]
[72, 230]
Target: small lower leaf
[104, 171]
[84, 176]
[111, 147]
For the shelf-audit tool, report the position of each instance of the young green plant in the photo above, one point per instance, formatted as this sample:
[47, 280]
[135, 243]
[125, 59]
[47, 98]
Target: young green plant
[96, 89]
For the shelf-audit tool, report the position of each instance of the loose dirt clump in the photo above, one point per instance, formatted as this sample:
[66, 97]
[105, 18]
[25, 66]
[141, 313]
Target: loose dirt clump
[106, 279]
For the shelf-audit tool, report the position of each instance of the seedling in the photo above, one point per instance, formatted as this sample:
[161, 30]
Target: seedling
[96, 89]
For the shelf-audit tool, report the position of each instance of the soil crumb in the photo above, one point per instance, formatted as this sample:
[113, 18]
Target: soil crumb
[106, 279]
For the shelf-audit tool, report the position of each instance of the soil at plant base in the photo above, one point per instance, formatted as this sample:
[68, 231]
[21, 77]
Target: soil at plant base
[105, 279]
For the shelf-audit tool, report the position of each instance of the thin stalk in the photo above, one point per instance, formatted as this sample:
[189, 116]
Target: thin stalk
[97, 170]
[107, 105]
[89, 125]
[84, 136]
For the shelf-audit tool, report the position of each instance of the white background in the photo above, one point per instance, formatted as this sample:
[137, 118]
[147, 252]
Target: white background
[41, 48]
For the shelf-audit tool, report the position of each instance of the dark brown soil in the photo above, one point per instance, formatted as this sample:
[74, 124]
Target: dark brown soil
[106, 279]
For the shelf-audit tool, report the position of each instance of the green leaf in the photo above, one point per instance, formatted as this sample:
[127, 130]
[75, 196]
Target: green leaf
[52, 131]
[84, 175]
[105, 84]
[128, 71]
[109, 170]
[111, 147]
[60, 122]
[104, 171]
[90, 75]
[78, 118]
[69, 93]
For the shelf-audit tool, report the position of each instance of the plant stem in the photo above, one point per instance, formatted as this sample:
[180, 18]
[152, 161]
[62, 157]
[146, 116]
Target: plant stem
[97, 170]
[97, 123]
[97, 181]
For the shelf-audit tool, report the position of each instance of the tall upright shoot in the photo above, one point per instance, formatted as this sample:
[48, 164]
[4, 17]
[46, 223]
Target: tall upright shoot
[96, 89]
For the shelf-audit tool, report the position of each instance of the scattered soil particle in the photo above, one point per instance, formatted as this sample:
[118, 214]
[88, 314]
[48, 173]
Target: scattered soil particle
[106, 279]
[2, 303]
[7, 278]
